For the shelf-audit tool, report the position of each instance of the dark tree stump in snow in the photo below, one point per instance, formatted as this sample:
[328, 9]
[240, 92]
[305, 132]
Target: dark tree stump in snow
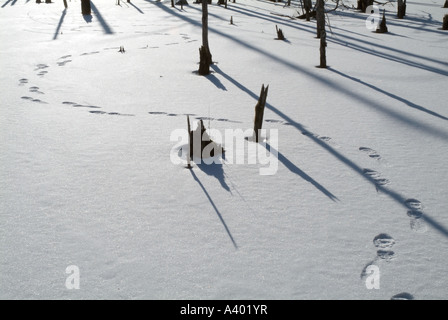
[308, 6]
[38, 1]
[259, 111]
[65, 4]
[323, 46]
[47, 1]
[445, 22]
[382, 28]
[199, 140]
[85, 7]
[401, 9]
[446, 4]
[320, 17]
[280, 35]
[205, 60]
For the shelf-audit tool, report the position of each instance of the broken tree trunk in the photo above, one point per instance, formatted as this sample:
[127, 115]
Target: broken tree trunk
[190, 145]
[204, 61]
[445, 22]
[280, 35]
[401, 9]
[382, 28]
[200, 143]
[65, 4]
[446, 4]
[320, 17]
[204, 52]
[85, 7]
[323, 45]
[308, 5]
[259, 111]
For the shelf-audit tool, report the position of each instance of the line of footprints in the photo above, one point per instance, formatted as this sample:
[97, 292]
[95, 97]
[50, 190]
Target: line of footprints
[384, 242]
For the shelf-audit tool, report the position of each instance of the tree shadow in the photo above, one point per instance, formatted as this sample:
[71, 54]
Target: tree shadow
[215, 170]
[391, 95]
[56, 33]
[137, 8]
[6, 3]
[87, 17]
[107, 29]
[213, 79]
[215, 208]
[296, 170]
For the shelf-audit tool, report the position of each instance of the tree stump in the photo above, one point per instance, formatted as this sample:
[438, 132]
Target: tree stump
[382, 28]
[308, 6]
[204, 61]
[65, 4]
[85, 7]
[401, 9]
[280, 35]
[445, 22]
[190, 149]
[446, 4]
[320, 17]
[259, 111]
[199, 140]
[38, 1]
[323, 46]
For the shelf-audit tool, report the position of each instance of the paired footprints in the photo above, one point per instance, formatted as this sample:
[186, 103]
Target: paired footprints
[415, 214]
[383, 243]
[77, 105]
[414, 206]
[64, 61]
[376, 178]
[158, 113]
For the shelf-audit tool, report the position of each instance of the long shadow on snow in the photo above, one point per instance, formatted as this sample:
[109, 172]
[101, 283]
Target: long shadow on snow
[56, 33]
[215, 208]
[294, 169]
[216, 170]
[107, 29]
[137, 8]
[391, 95]
[356, 96]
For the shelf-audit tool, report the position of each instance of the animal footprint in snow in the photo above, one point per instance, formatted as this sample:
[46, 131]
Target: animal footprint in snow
[370, 152]
[23, 81]
[417, 223]
[384, 243]
[375, 177]
[35, 90]
[63, 63]
[403, 296]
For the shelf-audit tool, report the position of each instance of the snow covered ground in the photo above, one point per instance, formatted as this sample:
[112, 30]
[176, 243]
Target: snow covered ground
[87, 180]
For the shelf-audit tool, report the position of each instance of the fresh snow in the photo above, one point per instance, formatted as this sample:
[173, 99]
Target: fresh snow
[87, 179]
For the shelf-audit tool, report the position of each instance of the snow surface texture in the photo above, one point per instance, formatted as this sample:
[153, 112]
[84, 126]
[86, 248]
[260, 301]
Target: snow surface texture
[85, 153]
